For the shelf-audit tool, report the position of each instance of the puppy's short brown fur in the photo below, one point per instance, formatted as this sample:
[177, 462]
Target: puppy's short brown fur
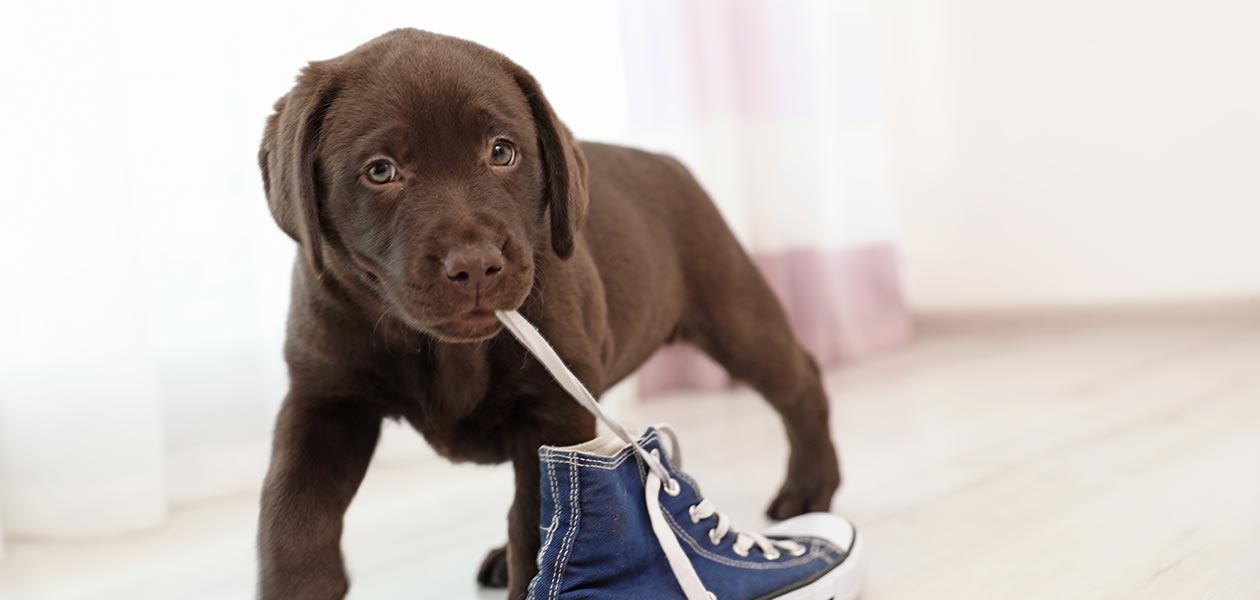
[428, 182]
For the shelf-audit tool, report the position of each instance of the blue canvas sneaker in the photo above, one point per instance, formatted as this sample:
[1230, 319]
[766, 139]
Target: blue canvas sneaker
[612, 529]
[622, 521]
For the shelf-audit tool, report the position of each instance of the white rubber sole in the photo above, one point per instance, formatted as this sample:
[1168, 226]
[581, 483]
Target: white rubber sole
[841, 583]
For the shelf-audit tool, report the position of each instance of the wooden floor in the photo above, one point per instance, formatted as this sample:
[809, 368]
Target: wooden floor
[1068, 460]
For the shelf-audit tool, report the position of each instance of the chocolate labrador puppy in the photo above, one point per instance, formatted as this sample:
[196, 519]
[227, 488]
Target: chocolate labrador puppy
[428, 183]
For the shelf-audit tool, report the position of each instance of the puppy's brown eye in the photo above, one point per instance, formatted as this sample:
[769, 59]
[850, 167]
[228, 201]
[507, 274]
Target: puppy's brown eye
[502, 154]
[381, 172]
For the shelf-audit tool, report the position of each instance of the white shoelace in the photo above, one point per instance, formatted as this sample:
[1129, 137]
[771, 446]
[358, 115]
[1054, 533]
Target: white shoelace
[744, 540]
[658, 478]
[705, 509]
[536, 344]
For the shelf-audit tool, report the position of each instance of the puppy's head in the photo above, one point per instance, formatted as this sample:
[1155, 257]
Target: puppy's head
[428, 170]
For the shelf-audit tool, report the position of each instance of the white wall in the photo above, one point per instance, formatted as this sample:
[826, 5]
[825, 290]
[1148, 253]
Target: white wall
[1075, 152]
[145, 285]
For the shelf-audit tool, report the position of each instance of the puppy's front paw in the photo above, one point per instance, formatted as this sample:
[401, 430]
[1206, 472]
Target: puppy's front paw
[802, 494]
[494, 569]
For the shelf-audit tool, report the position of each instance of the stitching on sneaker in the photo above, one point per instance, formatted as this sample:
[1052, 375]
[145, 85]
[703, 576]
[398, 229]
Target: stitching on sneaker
[551, 529]
[574, 517]
[555, 513]
[828, 548]
[597, 462]
[695, 487]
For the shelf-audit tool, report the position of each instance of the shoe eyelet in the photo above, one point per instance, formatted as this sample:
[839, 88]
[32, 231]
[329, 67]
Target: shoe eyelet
[773, 556]
[672, 487]
[691, 512]
[741, 552]
[713, 538]
[798, 551]
[712, 596]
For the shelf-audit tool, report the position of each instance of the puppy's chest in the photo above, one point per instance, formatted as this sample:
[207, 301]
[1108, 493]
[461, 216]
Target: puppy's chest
[438, 391]
[464, 406]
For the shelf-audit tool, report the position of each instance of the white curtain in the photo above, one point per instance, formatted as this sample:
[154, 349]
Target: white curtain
[775, 107]
[145, 289]
[145, 285]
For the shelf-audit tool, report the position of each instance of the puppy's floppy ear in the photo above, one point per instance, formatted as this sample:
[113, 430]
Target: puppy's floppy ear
[287, 160]
[564, 167]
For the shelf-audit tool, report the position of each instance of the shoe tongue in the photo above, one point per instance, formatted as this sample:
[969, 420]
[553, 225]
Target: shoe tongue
[609, 445]
[606, 445]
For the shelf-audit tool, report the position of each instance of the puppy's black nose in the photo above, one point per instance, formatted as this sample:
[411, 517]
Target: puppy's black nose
[473, 267]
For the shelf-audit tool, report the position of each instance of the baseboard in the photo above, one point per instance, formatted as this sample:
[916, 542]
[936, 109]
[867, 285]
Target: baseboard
[1193, 311]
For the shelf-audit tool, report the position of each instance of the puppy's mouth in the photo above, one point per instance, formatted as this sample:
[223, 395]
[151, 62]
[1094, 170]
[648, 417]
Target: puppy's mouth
[425, 306]
[474, 322]
[476, 325]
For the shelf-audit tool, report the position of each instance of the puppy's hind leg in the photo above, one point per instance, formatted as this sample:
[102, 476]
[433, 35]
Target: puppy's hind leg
[739, 322]
[494, 568]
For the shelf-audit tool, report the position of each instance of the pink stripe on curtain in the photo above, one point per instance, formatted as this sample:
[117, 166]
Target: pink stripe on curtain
[842, 304]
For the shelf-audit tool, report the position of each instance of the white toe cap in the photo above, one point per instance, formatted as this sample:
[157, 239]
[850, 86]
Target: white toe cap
[820, 525]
